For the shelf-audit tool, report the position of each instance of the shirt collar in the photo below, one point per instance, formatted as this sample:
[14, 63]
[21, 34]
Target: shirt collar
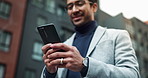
[86, 28]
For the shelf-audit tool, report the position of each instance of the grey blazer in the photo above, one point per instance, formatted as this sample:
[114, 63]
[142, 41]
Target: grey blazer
[110, 54]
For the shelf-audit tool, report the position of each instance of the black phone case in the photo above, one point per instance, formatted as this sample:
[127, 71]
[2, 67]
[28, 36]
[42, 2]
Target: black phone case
[48, 33]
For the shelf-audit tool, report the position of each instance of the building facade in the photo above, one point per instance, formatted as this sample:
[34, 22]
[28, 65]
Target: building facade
[20, 42]
[141, 43]
[11, 23]
[39, 12]
[138, 31]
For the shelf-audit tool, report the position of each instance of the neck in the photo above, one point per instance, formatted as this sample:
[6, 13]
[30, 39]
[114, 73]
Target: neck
[88, 27]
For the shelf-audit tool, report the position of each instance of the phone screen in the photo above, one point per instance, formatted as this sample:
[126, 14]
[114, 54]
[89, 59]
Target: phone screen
[48, 33]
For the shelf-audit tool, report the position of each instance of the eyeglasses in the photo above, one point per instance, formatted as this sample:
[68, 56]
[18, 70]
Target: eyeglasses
[77, 4]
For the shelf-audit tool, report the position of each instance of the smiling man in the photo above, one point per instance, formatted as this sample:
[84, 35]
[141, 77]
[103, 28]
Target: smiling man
[92, 51]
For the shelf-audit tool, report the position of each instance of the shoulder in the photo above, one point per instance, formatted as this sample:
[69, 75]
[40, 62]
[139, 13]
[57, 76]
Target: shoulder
[113, 31]
[112, 34]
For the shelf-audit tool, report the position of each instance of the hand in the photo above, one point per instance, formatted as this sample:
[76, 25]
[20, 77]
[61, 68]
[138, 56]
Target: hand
[50, 68]
[72, 58]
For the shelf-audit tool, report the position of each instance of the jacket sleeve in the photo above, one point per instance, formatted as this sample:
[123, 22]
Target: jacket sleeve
[46, 74]
[126, 65]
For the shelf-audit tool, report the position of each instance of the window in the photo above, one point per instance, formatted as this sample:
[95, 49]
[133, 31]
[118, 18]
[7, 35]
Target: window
[37, 52]
[38, 3]
[134, 44]
[147, 48]
[146, 36]
[41, 21]
[5, 38]
[29, 74]
[146, 64]
[139, 34]
[4, 10]
[2, 70]
[50, 6]
[60, 11]
[141, 47]
[130, 28]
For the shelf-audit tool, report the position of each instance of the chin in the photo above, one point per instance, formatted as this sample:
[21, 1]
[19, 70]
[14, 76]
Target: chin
[78, 23]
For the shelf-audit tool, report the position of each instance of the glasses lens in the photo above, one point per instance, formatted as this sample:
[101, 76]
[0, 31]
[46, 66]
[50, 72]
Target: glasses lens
[77, 4]
[69, 6]
[80, 3]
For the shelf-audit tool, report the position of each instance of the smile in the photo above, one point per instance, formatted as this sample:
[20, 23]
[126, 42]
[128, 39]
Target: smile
[77, 18]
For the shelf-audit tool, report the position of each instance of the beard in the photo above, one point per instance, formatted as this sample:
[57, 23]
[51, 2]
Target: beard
[77, 17]
[80, 18]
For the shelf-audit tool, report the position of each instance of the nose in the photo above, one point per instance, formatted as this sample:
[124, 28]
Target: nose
[75, 8]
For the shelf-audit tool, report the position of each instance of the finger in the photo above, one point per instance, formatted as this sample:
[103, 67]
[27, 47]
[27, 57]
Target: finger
[61, 46]
[56, 55]
[44, 57]
[57, 62]
[66, 63]
[50, 51]
[47, 61]
[46, 47]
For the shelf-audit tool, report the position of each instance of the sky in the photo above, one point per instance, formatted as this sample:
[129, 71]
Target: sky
[129, 8]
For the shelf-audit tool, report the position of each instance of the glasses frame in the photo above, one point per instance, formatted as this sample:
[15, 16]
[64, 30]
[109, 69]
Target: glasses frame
[76, 4]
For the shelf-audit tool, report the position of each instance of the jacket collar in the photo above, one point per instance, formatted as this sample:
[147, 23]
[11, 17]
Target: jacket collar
[96, 38]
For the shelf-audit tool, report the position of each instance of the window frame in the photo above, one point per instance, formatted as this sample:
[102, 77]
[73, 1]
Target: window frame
[36, 55]
[5, 10]
[29, 72]
[4, 69]
[7, 36]
[38, 3]
[50, 6]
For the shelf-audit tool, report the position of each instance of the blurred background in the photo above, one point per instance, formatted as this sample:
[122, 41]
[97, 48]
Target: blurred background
[20, 43]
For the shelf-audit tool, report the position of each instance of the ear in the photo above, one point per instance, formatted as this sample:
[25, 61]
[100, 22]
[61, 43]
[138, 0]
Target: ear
[95, 7]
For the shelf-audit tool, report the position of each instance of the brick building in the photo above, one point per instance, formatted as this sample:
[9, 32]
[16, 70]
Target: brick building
[20, 43]
[11, 24]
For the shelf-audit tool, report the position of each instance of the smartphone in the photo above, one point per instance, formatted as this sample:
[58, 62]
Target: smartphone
[48, 33]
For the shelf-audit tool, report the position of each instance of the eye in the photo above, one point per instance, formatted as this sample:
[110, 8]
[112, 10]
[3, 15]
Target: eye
[69, 6]
[80, 3]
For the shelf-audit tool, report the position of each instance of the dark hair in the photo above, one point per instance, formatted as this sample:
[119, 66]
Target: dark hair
[93, 1]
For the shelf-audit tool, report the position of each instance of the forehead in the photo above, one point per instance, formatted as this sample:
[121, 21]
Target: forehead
[71, 1]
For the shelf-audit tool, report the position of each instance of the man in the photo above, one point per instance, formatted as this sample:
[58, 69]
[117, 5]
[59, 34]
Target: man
[91, 52]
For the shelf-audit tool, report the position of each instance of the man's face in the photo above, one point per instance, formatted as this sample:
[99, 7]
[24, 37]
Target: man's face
[80, 11]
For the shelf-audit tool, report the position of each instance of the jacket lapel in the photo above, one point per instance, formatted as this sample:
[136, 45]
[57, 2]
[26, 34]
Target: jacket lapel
[96, 38]
[70, 40]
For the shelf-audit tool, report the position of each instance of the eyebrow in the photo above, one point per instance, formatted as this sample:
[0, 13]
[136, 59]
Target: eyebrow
[76, 1]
